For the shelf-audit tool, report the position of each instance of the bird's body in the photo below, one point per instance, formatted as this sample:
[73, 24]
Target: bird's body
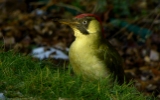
[84, 60]
[95, 61]
[91, 56]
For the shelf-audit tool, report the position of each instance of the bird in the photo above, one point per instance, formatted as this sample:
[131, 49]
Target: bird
[90, 54]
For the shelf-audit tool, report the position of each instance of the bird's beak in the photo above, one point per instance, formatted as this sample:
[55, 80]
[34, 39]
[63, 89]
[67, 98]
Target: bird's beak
[70, 22]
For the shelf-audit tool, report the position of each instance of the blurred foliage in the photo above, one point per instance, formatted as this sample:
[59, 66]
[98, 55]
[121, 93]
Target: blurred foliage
[100, 6]
[122, 6]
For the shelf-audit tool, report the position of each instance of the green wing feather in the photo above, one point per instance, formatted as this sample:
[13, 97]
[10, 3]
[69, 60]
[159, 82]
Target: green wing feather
[112, 59]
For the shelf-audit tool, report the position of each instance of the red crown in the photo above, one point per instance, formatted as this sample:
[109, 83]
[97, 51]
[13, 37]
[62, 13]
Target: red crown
[88, 15]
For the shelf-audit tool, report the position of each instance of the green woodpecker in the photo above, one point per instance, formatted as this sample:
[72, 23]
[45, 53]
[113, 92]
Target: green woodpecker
[91, 55]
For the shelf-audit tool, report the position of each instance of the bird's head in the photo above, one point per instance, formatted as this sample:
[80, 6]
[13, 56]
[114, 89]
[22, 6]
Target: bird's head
[85, 25]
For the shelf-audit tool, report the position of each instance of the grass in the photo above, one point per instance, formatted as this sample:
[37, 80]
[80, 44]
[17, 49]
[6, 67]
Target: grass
[23, 78]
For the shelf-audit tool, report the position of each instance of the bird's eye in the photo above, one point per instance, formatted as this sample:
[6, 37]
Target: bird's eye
[84, 22]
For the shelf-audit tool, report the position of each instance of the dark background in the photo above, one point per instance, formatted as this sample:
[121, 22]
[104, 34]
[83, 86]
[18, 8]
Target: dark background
[132, 26]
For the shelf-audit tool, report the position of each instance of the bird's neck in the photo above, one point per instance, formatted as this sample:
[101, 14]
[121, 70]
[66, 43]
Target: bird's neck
[89, 42]
[87, 38]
